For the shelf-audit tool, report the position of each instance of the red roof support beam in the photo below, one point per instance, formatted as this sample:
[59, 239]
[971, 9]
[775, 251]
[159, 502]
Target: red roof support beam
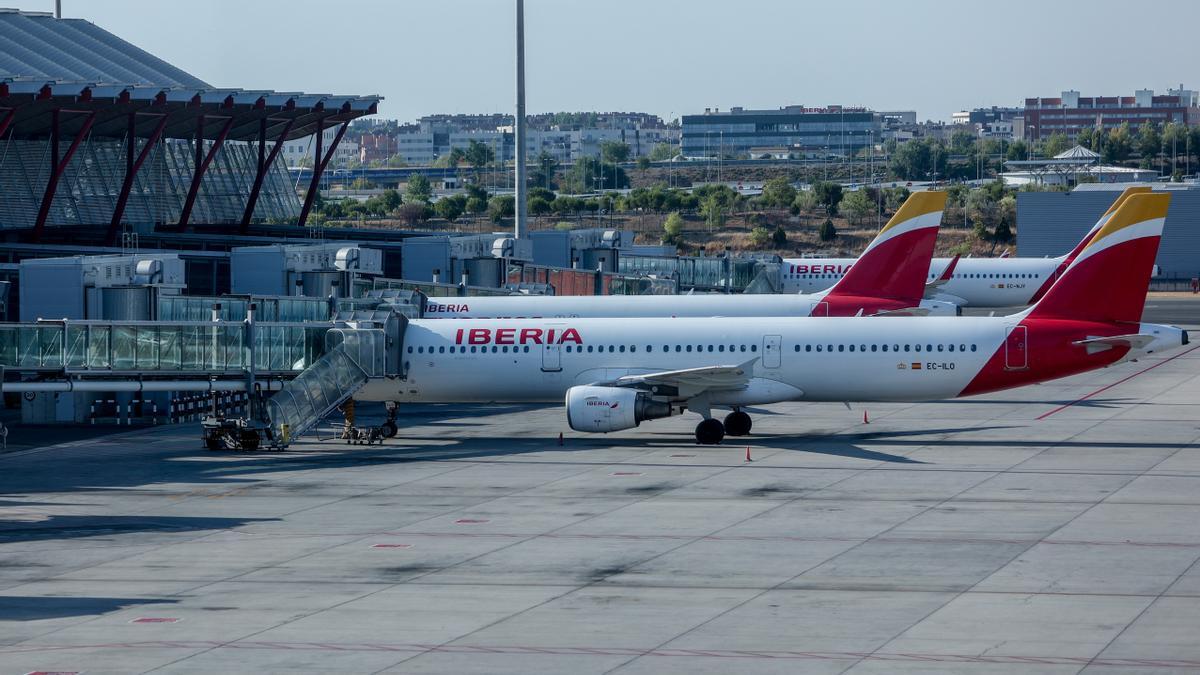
[319, 168]
[264, 166]
[7, 121]
[58, 166]
[132, 166]
[204, 160]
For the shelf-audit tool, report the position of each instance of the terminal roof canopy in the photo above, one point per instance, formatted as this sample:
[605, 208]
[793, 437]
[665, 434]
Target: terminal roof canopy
[78, 68]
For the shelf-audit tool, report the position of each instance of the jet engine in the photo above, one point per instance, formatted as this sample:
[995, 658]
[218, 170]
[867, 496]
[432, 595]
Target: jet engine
[604, 409]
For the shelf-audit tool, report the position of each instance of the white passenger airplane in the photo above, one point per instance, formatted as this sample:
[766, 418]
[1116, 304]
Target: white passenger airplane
[890, 280]
[977, 282]
[617, 373]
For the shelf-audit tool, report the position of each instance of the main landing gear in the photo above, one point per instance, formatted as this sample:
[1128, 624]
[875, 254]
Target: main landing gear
[711, 431]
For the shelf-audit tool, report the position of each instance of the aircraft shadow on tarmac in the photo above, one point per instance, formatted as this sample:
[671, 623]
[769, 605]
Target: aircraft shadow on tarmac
[57, 527]
[32, 608]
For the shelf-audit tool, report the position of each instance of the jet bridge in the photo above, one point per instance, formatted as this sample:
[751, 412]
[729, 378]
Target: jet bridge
[314, 367]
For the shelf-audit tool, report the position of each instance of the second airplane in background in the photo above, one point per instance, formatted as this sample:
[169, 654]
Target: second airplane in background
[890, 280]
[975, 282]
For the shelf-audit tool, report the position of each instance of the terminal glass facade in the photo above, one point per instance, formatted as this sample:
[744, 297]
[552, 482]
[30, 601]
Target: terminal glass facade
[88, 190]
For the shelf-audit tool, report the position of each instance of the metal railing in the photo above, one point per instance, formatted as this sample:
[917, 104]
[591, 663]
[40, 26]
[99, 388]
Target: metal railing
[352, 357]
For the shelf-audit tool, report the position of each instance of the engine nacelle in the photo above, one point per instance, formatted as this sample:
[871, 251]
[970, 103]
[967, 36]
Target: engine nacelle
[604, 409]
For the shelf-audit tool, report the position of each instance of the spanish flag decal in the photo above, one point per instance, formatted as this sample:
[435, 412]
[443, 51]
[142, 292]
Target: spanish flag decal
[916, 365]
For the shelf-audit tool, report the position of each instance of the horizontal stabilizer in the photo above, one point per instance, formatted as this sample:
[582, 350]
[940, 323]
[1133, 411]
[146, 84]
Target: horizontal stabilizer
[907, 311]
[943, 277]
[1100, 344]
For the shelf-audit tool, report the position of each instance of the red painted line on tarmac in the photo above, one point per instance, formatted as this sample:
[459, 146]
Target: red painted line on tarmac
[391, 545]
[156, 619]
[626, 473]
[471, 521]
[1120, 381]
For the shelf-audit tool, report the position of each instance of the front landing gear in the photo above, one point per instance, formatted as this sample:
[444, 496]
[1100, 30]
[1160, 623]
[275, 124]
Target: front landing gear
[738, 423]
[710, 432]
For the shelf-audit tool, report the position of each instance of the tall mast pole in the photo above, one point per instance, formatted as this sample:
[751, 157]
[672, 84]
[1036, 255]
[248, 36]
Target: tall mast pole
[519, 126]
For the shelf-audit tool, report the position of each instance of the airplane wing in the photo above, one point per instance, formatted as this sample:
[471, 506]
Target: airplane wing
[943, 277]
[690, 382]
[1100, 344]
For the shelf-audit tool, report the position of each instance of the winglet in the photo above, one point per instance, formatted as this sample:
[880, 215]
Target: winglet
[896, 263]
[1109, 278]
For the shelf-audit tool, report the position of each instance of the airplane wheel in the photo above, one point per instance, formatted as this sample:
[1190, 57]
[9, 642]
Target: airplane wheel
[710, 432]
[389, 429]
[738, 423]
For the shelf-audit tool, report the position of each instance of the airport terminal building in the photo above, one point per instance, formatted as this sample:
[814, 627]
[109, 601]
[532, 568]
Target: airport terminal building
[97, 133]
[1050, 224]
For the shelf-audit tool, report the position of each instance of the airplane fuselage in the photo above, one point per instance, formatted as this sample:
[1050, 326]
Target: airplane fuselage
[810, 359]
[629, 306]
[979, 282]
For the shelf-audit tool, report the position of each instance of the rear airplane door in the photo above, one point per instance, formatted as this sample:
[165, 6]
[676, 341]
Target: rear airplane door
[1016, 348]
[772, 348]
[551, 358]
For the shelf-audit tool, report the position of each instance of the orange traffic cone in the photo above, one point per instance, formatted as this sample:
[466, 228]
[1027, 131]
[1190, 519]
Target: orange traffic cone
[865, 420]
[748, 454]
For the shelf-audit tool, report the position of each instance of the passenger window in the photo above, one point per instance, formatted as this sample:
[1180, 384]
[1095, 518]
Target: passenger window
[689, 348]
[962, 348]
[753, 348]
[611, 349]
[720, 348]
[862, 348]
[808, 348]
[895, 348]
[710, 348]
[743, 347]
[441, 350]
[972, 347]
[851, 347]
[632, 348]
[951, 347]
[495, 349]
[884, 347]
[679, 349]
[928, 348]
[473, 350]
[410, 349]
[622, 349]
[797, 348]
[874, 347]
[906, 348]
[819, 348]
[841, 348]
[940, 347]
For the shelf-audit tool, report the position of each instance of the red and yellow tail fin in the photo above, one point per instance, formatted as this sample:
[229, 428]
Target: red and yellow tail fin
[1108, 279]
[896, 263]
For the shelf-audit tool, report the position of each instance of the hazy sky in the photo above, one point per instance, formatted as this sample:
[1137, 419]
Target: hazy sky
[666, 56]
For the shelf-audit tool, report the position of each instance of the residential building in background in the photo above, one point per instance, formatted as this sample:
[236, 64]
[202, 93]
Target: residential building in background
[1070, 113]
[564, 136]
[302, 151]
[805, 132]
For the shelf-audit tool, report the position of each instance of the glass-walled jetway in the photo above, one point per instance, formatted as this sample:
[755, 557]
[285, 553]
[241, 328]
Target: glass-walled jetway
[158, 348]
